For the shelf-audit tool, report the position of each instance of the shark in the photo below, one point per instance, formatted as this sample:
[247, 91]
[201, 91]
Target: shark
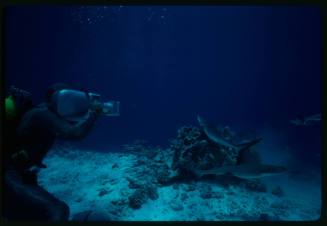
[248, 165]
[213, 134]
[244, 171]
[306, 121]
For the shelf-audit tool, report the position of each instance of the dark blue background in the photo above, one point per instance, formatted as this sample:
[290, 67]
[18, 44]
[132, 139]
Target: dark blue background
[246, 67]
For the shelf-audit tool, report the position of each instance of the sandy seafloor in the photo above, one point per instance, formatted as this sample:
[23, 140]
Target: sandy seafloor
[96, 181]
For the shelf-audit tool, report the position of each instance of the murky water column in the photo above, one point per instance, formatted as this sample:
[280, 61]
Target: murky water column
[88, 15]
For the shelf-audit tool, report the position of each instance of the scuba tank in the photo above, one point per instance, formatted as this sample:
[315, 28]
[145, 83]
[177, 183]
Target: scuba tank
[17, 103]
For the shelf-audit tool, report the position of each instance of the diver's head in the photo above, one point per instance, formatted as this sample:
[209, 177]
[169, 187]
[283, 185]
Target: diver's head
[54, 88]
[70, 104]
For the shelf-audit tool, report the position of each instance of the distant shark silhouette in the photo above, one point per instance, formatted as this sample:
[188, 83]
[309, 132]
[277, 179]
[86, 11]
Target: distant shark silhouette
[248, 164]
[306, 121]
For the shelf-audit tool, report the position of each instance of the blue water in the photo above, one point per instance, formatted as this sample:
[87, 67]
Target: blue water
[247, 67]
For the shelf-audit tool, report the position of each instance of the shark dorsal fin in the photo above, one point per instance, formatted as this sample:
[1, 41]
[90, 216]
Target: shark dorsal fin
[248, 156]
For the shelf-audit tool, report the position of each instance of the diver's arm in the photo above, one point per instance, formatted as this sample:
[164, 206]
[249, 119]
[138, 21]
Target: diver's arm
[78, 130]
[65, 130]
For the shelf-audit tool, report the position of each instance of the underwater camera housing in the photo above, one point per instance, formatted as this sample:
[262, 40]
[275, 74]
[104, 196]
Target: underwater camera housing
[109, 108]
[74, 105]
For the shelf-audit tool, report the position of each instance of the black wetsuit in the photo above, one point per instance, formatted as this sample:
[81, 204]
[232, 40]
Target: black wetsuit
[24, 199]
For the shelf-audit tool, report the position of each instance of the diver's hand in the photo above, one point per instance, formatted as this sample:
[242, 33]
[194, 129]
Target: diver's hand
[95, 114]
[97, 107]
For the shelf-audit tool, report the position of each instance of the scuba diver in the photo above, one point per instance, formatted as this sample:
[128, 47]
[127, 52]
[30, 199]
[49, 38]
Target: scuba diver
[67, 114]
